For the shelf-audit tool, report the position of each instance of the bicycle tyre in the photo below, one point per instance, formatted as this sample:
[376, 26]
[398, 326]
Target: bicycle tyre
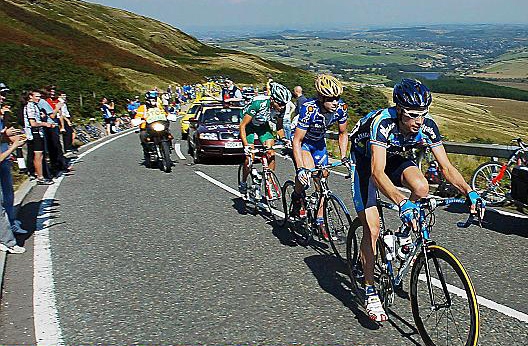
[437, 254]
[240, 172]
[352, 249]
[338, 223]
[493, 195]
[272, 190]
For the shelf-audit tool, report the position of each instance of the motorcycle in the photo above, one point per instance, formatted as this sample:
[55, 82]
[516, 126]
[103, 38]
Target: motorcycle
[159, 140]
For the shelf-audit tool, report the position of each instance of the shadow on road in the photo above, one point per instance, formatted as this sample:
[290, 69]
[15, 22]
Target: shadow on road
[504, 224]
[332, 275]
[28, 215]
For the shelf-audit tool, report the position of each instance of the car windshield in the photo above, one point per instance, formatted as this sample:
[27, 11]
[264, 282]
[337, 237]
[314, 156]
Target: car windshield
[221, 115]
[193, 109]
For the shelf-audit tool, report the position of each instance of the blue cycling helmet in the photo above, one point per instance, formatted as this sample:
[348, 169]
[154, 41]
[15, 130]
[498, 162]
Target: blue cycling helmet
[411, 93]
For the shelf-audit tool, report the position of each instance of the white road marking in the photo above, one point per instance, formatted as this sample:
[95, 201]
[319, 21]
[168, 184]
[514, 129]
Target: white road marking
[177, 148]
[481, 300]
[455, 290]
[45, 314]
[231, 190]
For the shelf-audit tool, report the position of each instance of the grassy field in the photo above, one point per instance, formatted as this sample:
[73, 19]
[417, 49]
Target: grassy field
[506, 69]
[299, 52]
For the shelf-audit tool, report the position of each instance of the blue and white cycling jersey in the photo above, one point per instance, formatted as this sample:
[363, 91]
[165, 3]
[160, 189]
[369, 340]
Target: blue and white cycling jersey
[316, 123]
[380, 127]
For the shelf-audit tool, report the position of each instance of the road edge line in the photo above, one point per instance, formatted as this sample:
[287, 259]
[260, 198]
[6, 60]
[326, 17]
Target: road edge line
[45, 314]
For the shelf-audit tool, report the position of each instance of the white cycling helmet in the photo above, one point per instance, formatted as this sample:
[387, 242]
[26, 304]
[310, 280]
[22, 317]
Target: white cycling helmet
[280, 93]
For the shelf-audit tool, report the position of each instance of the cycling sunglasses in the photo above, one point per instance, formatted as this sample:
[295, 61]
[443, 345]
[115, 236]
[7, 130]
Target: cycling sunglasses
[331, 99]
[415, 114]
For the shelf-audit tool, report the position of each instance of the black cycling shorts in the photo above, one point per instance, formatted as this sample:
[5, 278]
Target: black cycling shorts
[364, 187]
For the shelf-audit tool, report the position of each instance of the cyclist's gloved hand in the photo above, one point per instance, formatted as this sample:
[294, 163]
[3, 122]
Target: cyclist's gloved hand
[472, 199]
[247, 150]
[303, 175]
[407, 211]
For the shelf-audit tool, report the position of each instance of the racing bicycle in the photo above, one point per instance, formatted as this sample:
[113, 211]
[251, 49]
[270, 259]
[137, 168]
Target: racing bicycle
[492, 180]
[443, 299]
[263, 187]
[337, 219]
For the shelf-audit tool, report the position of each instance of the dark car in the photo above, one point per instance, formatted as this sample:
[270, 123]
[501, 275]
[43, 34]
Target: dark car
[215, 133]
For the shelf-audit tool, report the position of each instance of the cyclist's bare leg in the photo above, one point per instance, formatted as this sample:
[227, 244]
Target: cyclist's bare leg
[371, 227]
[320, 212]
[308, 162]
[245, 169]
[270, 153]
[413, 179]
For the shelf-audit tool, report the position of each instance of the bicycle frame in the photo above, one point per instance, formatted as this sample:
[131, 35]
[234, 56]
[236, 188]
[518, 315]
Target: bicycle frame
[263, 156]
[515, 159]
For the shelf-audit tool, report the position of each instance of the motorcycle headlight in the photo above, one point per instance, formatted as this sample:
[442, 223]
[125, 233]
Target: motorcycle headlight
[209, 136]
[158, 127]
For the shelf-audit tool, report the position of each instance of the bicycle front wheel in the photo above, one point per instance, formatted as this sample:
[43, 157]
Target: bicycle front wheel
[482, 181]
[448, 316]
[338, 223]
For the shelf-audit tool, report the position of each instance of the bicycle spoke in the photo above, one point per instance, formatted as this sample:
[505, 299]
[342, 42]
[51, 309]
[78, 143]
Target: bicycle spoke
[449, 319]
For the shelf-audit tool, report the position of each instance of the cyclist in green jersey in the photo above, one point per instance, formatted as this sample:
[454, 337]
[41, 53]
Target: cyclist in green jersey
[256, 118]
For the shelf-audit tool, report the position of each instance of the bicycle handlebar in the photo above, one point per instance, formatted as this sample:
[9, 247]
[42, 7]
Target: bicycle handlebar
[264, 149]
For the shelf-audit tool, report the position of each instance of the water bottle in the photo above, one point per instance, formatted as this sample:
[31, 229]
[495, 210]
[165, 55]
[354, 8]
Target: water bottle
[404, 242]
[20, 160]
[390, 241]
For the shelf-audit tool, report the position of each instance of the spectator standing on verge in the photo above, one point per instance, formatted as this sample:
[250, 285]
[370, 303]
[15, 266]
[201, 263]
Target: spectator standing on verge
[68, 135]
[8, 241]
[6, 178]
[34, 128]
[106, 109]
[54, 148]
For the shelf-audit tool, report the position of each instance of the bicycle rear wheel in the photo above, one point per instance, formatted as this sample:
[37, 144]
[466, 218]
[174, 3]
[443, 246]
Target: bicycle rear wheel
[482, 182]
[352, 251]
[338, 223]
[451, 317]
[272, 191]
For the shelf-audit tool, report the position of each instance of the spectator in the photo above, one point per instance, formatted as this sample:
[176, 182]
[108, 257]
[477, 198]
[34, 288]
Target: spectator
[34, 128]
[298, 94]
[6, 178]
[8, 241]
[132, 107]
[165, 100]
[107, 109]
[58, 163]
[286, 121]
[68, 135]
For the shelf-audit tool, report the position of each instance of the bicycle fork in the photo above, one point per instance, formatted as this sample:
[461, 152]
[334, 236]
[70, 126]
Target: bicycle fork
[434, 305]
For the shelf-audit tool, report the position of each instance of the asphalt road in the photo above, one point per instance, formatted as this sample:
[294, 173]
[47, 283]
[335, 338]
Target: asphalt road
[144, 257]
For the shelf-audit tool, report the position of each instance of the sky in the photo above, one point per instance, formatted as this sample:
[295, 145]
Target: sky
[199, 15]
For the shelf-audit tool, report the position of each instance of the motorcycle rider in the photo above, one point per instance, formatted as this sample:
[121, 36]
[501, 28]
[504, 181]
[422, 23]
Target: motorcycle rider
[150, 108]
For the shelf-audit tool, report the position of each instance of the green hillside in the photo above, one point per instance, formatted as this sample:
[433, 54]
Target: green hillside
[92, 50]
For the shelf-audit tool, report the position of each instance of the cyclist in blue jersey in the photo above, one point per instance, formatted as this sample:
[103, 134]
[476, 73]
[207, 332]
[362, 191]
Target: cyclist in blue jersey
[378, 141]
[309, 145]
